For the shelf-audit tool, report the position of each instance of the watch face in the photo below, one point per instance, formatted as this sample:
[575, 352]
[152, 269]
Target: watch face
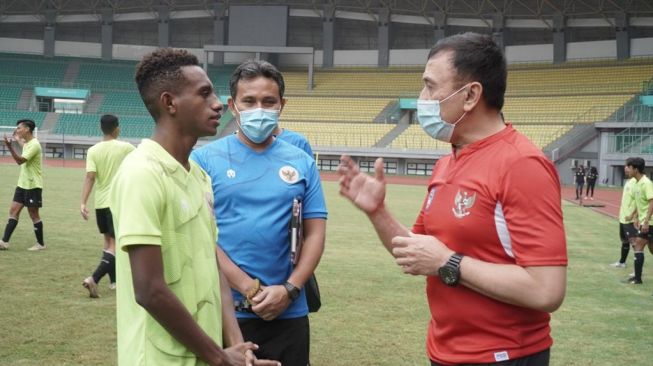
[293, 292]
[448, 275]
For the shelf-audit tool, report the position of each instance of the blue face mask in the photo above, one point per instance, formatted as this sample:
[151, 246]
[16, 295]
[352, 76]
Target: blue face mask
[429, 117]
[258, 124]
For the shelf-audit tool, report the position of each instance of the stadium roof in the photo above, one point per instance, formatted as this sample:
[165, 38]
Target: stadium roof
[510, 9]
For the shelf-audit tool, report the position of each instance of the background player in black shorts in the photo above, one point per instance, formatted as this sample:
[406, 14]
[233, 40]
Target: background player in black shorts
[30, 184]
[102, 162]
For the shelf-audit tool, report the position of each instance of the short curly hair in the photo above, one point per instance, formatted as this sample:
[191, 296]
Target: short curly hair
[160, 71]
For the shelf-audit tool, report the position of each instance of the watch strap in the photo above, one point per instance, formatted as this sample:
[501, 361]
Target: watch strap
[455, 260]
[293, 291]
[450, 272]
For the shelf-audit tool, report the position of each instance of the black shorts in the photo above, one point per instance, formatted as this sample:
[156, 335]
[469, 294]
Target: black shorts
[626, 232]
[537, 359]
[105, 221]
[28, 197]
[285, 340]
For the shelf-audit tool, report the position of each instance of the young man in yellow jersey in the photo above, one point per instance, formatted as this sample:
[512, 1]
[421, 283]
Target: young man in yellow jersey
[102, 162]
[30, 184]
[627, 230]
[174, 306]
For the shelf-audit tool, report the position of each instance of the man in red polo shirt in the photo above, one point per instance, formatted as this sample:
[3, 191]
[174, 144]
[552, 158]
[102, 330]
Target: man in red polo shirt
[489, 238]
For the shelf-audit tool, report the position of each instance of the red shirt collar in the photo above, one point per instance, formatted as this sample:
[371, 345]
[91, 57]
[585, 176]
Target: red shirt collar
[482, 142]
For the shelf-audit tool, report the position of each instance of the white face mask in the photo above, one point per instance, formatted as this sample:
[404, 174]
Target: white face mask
[429, 117]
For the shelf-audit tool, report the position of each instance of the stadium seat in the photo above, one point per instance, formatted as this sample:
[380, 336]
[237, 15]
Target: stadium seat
[542, 100]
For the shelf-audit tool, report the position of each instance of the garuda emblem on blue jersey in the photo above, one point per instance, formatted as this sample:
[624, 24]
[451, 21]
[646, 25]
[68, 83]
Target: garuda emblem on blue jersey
[462, 203]
[288, 174]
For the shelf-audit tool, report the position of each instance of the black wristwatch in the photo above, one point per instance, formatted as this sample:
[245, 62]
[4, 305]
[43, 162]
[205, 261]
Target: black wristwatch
[293, 292]
[450, 272]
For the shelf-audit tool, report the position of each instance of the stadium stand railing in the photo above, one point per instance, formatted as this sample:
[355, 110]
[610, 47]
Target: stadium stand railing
[634, 140]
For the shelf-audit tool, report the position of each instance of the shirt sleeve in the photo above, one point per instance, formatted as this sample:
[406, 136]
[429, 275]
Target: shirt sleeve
[314, 205]
[648, 190]
[90, 161]
[307, 147]
[138, 202]
[29, 151]
[531, 205]
[129, 147]
[418, 226]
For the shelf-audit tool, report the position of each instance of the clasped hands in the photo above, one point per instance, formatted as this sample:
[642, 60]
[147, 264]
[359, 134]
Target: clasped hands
[420, 254]
[268, 302]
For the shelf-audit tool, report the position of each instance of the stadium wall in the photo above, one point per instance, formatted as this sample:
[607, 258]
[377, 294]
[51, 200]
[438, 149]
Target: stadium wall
[398, 57]
[597, 49]
[641, 47]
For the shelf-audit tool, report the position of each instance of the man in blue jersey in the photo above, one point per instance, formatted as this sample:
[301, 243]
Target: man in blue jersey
[255, 179]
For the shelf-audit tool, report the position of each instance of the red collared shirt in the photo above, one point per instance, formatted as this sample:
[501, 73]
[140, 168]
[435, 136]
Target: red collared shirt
[496, 200]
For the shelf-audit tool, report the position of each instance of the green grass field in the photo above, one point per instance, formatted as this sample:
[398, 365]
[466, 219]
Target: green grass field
[372, 314]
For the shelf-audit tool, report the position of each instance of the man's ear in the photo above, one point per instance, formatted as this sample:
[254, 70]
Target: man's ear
[473, 95]
[168, 103]
[283, 103]
[232, 106]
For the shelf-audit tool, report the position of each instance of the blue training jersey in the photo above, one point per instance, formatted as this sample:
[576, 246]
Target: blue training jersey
[296, 139]
[253, 193]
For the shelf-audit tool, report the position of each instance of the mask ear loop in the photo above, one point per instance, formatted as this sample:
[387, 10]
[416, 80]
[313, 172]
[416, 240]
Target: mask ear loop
[456, 92]
[240, 127]
[458, 120]
[452, 94]
[236, 108]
